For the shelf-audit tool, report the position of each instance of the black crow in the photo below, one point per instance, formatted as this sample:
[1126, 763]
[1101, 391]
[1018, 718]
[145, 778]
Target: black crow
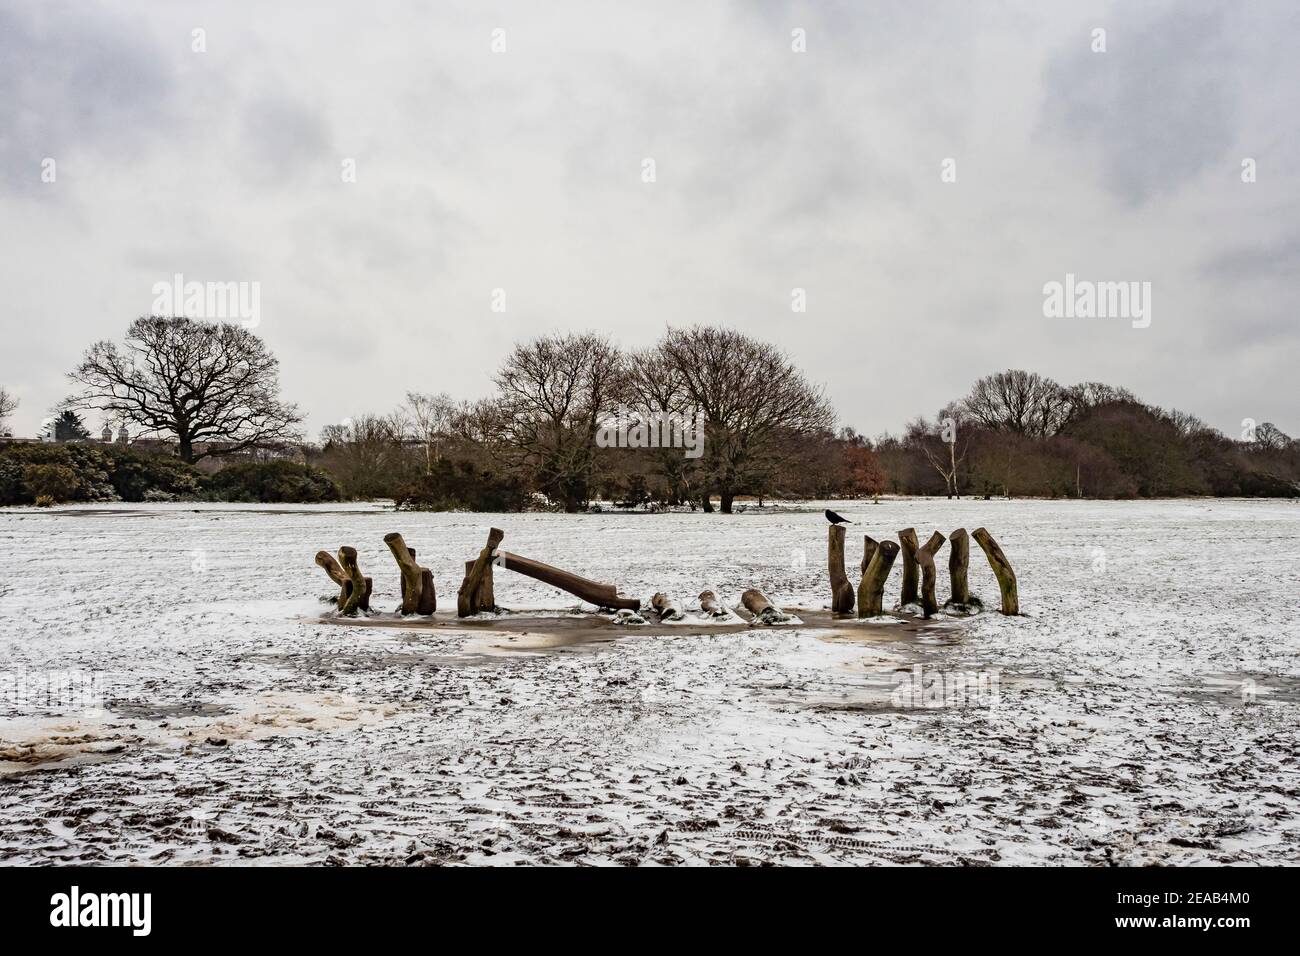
[833, 518]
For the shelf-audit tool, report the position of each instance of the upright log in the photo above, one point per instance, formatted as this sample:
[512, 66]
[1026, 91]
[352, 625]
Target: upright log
[869, 545]
[469, 598]
[428, 593]
[872, 589]
[339, 577]
[710, 605]
[667, 608]
[841, 589]
[411, 572]
[925, 557]
[1002, 570]
[357, 592]
[958, 563]
[764, 611]
[911, 570]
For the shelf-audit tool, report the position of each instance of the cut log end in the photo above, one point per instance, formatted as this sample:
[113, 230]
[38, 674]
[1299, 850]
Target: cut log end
[763, 610]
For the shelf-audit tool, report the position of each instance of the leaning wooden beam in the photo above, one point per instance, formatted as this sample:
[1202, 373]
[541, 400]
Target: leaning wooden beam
[468, 598]
[872, 589]
[911, 570]
[412, 583]
[602, 595]
[958, 563]
[710, 605]
[841, 589]
[764, 611]
[925, 557]
[869, 545]
[354, 595]
[667, 608]
[1002, 570]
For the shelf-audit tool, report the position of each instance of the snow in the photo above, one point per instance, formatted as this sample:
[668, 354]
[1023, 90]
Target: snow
[1143, 710]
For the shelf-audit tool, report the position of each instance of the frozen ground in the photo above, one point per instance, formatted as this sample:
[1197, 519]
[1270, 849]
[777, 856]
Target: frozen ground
[1145, 712]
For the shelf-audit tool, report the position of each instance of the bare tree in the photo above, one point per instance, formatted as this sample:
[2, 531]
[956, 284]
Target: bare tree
[939, 444]
[754, 400]
[8, 405]
[1025, 403]
[430, 421]
[555, 392]
[365, 454]
[201, 382]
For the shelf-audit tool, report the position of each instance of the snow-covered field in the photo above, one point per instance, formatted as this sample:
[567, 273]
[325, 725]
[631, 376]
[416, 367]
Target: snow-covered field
[168, 694]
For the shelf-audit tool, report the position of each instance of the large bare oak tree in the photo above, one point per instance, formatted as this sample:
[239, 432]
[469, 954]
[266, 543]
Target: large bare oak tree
[198, 382]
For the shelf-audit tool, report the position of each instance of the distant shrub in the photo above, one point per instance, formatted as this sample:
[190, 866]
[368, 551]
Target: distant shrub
[44, 501]
[460, 485]
[85, 472]
[272, 481]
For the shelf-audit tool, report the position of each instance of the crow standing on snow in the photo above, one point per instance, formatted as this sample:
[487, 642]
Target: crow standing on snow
[833, 518]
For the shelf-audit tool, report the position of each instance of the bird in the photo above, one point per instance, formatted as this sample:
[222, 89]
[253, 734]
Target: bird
[833, 518]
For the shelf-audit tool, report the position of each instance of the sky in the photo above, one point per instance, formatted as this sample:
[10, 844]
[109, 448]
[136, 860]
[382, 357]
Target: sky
[921, 170]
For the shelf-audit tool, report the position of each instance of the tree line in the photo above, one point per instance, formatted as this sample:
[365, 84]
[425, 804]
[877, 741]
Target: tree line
[210, 391]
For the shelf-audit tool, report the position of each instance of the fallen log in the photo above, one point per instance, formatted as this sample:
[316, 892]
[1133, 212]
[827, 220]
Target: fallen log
[911, 569]
[958, 563]
[667, 608]
[764, 611]
[710, 605]
[872, 589]
[869, 545]
[412, 574]
[357, 590]
[925, 557]
[469, 599]
[593, 592]
[1002, 570]
[841, 589]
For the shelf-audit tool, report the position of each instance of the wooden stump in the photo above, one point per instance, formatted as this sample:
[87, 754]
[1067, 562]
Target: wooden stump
[1002, 570]
[911, 569]
[710, 605]
[872, 589]
[764, 611]
[428, 594]
[958, 563]
[841, 589]
[412, 573]
[339, 577]
[357, 590]
[470, 598]
[869, 545]
[667, 608]
[925, 557]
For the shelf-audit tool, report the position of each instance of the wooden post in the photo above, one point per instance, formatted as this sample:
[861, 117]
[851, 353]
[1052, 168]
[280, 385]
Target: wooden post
[357, 592]
[469, 597]
[911, 570]
[958, 562]
[841, 589]
[1002, 570]
[411, 572]
[667, 608]
[428, 594]
[925, 557]
[764, 611]
[869, 545]
[710, 605]
[872, 589]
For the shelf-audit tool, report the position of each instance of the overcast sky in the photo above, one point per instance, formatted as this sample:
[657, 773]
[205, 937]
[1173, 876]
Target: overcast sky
[522, 170]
